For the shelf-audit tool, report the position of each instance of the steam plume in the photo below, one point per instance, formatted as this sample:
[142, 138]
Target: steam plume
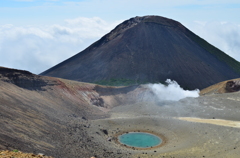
[171, 92]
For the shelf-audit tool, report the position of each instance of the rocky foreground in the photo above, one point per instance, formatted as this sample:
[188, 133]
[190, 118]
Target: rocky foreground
[19, 154]
[53, 116]
[64, 118]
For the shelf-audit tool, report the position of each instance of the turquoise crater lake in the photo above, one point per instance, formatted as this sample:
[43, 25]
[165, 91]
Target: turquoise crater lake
[139, 139]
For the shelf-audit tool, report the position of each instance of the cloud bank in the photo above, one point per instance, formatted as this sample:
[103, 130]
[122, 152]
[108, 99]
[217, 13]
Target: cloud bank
[37, 48]
[223, 35]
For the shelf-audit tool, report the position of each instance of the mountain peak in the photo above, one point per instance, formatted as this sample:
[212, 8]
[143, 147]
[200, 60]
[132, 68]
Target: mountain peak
[152, 19]
[149, 49]
[141, 19]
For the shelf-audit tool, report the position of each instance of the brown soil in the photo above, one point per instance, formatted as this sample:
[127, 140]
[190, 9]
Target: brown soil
[63, 118]
[52, 116]
[19, 154]
[220, 122]
[220, 88]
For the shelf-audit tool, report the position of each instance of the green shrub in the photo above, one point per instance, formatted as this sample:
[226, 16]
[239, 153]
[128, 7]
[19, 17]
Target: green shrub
[123, 82]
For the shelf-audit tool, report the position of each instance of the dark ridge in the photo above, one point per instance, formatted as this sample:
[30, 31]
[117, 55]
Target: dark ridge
[23, 79]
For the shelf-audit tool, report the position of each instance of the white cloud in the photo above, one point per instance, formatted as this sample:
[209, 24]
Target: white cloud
[223, 35]
[37, 48]
[91, 27]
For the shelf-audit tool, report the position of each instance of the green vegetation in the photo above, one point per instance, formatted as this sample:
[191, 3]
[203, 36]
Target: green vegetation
[124, 82]
[117, 82]
[215, 51]
[128, 82]
[15, 150]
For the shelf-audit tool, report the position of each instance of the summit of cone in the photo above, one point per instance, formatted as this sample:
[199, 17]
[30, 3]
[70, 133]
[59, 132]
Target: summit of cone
[128, 24]
[149, 49]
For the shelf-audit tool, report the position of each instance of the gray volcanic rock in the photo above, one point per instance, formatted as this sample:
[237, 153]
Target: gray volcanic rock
[23, 79]
[150, 49]
[228, 86]
[64, 118]
[49, 115]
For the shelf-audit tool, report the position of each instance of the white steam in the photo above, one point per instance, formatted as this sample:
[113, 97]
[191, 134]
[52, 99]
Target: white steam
[171, 92]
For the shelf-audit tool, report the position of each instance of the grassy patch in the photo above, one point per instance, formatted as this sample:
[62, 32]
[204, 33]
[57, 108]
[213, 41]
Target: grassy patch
[117, 82]
[120, 82]
[125, 82]
[15, 150]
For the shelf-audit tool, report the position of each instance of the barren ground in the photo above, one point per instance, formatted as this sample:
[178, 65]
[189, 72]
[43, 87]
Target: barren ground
[62, 118]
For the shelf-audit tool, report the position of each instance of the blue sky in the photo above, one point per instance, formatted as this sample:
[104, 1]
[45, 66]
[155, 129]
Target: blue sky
[45, 32]
[50, 11]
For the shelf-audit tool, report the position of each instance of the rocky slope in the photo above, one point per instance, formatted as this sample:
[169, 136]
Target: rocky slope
[51, 115]
[64, 118]
[149, 49]
[19, 154]
[228, 86]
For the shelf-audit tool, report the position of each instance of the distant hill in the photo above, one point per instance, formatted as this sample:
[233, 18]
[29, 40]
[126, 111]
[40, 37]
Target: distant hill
[149, 49]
